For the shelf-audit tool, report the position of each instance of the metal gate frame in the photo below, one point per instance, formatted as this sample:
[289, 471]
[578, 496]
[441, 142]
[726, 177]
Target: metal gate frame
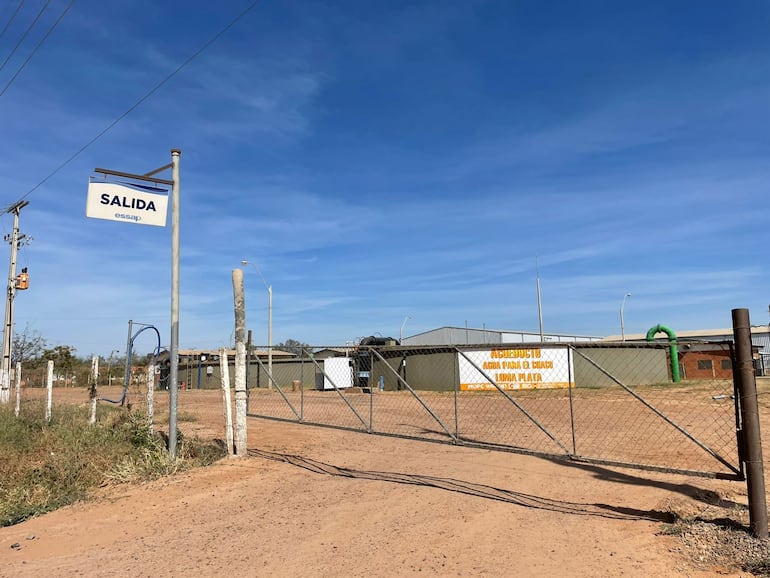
[735, 472]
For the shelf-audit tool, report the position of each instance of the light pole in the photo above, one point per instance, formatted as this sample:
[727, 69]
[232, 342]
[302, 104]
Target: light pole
[622, 321]
[269, 322]
[401, 333]
[109, 366]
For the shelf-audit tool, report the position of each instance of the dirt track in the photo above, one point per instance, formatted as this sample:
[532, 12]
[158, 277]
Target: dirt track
[315, 501]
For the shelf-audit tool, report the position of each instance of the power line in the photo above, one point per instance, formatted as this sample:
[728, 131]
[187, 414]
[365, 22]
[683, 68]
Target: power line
[13, 17]
[152, 91]
[26, 33]
[39, 44]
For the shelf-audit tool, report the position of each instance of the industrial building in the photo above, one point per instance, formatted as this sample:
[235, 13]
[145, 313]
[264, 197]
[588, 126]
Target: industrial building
[470, 336]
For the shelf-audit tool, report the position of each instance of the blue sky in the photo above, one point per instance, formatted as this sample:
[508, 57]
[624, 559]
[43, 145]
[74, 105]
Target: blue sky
[380, 160]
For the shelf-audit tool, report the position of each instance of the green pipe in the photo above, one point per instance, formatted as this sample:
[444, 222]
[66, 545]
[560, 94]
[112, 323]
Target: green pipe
[673, 349]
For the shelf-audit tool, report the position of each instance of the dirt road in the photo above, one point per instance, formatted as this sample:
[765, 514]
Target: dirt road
[314, 501]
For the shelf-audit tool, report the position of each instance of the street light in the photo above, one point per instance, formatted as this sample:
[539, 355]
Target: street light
[269, 321]
[401, 333]
[622, 323]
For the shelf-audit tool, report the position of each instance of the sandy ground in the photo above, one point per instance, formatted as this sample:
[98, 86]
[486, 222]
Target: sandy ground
[312, 501]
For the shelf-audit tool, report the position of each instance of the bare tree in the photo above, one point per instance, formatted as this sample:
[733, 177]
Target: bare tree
[27, 345]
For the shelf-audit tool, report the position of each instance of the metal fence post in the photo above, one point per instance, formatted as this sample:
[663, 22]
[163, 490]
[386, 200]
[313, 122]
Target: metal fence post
[456, 387]
[746, 383]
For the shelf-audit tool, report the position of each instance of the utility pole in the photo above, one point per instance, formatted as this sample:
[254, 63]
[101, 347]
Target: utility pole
[15, 239]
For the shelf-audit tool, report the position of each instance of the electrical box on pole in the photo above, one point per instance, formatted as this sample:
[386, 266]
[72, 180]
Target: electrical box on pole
[22, 280]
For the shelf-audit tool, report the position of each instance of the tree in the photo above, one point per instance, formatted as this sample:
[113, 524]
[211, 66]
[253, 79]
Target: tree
[63, 357]
[293, 346]
[27, 346]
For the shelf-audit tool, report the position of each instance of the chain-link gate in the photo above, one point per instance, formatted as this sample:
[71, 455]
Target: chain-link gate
[622, 404]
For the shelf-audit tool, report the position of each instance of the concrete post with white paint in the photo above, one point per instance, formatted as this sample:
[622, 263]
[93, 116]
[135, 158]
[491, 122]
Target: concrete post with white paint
[49, 387]
[18, 389]
[150, 396]
[240, 363]
[92, 389]
[226, 401]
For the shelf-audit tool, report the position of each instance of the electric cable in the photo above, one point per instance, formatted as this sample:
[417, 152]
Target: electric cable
[39, 44]
[26, 33]
[152, 91]
[13, 17]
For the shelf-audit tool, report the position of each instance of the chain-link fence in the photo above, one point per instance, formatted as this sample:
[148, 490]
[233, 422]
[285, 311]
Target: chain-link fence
[645, 405]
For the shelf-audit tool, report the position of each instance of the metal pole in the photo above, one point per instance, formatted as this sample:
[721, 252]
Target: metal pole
[174, 369]
[5, 371]
[539, 301]
[743, 373]
[269, 324]
[270, 334]
[622, 320]
[129, 353]
[401, 333]
[109, 366]
[248, 366]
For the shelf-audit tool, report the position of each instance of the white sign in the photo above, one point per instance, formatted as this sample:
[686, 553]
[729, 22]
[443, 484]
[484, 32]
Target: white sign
[517, 368]
[129, 203]
[338, 372]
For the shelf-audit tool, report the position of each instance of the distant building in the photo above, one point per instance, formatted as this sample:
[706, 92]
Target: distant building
[199, 368]
[328, 352]
[760, 340]
[469, 336]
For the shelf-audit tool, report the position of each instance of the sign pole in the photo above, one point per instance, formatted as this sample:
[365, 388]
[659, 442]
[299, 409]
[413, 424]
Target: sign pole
[174, 373]
[141, 205]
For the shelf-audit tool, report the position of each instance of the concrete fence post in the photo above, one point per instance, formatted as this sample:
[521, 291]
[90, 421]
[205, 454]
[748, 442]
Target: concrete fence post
[49, 387]
[150, 396]
[92, 389]
[240, 363]
[18, 390]
[224, 369]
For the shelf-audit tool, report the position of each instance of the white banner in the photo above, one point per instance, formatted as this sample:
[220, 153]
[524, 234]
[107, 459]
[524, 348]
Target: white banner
[517, 368]
[131, 204]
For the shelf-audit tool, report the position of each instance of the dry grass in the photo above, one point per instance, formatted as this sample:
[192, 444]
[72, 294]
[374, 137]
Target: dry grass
[48, 465]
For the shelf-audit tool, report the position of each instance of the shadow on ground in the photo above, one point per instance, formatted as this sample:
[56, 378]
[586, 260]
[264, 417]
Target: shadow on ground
[471, 489]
